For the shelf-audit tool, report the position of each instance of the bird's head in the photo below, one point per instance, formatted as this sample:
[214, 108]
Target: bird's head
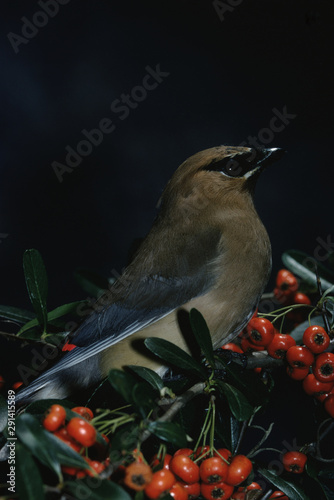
[217, 175]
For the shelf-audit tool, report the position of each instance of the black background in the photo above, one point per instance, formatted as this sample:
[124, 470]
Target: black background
[226, 76]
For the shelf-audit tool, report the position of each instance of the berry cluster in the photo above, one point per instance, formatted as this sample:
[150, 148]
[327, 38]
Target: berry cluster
[309, 362]
[79, 434]
[188, 474]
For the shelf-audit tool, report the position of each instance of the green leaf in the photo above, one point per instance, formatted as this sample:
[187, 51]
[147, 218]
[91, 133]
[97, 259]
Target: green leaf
[123, 383]
[125, 439]
[30, 432]
[141, 396]
[46, 447]
[319, 475]
[27, 476]
[298, 332]
[91, 282]
[16, 314]
[149, 375]
[53, 315]
[37, 284]
[202, 335]
[291, 490]
[175, 356]
[96, 490]
[64, 454]
[304, 266]
[247, 382]
[238, 403]
[170, 432]
[139, 495]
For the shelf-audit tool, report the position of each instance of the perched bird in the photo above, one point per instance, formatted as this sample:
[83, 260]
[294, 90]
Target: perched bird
[207, 249]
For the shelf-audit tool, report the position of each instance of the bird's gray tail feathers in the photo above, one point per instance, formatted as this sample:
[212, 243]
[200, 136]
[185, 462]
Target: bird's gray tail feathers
[58, 384]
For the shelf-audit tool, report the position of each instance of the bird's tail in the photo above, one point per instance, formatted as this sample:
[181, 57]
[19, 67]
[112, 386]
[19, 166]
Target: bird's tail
[59, 383]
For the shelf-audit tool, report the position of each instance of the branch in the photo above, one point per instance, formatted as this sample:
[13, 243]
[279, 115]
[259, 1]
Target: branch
[256, 360]
[14, 337]
[178, 404]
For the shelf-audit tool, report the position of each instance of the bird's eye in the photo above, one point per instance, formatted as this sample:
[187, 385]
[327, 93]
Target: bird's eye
[233, 166]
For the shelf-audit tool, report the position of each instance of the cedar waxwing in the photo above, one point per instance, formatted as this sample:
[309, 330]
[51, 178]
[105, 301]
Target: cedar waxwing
[207, 249]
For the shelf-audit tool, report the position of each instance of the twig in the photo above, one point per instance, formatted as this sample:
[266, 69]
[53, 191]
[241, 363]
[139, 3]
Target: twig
[259, 359]
[256, 448]
[241, 435]
[178, 404]
[14, 337]
[323, 306]
[320, 437]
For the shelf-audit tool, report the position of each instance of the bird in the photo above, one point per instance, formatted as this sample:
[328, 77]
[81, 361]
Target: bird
[207, 249]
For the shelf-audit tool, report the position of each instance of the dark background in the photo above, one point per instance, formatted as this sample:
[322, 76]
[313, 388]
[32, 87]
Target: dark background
[226, 76]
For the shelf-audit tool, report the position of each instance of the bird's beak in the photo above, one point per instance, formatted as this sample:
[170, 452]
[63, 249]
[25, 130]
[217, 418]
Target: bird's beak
[266, 156]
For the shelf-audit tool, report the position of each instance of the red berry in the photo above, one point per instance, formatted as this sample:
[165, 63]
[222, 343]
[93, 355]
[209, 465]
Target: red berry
[137, 476]
[279, 494]
[299, 356]
[97, 467]
[71, 471]
[323, 367]
[286, 281]
[248, 347]
[232, 347]
[294, 461]
[2, 381]
[54, 418]
[161, 482]
[17, 385]
[201, 452]
[155, 462]
[324, 395]
[280, 344]
[260, 331]
[329, 405]
[223, 453]
[193, 490]
[219, 491]
[314, 387]
[239, 470]
[239, 495]
[301, 298]
[253, 486]
[178, 492]
[185, 469]
[297, 373]
[213, 470]
[316, 339]
[83, 412]
[82, 431]
[64, 436]
[184, 451]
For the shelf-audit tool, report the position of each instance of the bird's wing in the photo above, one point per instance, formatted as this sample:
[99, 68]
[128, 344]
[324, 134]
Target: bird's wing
[148, 300]
[144, 294]
[118, 321]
